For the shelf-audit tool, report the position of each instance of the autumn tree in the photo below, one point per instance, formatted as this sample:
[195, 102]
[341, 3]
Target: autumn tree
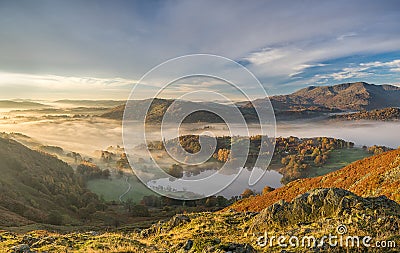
[247, 193]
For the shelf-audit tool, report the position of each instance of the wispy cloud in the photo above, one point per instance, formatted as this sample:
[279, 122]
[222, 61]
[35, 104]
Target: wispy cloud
[346, 73]
[46, 86]
[393, 66]
[346, 35]
[267, 55]
[363, 70]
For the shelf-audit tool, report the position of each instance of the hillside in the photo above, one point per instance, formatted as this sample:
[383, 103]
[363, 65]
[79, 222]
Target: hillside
[37, 187]
[346, 96]
[315, 214]
[379, 114]
[372, 176]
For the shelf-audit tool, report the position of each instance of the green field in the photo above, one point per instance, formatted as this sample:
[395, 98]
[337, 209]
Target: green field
[338, 159]
[111, 189]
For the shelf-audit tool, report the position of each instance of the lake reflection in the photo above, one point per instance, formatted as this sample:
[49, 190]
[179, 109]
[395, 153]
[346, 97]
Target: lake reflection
[193, 183]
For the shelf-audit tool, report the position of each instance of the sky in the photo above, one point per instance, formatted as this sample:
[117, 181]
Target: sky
[52, 49]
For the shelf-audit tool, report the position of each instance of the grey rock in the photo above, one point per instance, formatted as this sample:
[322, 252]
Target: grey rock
[21, 248]
[239, 248]
[189, 245]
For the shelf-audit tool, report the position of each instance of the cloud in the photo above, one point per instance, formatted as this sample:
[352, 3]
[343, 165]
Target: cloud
[280, 44]
[289, 61]
[363, 70]
[266, 55]
[46, 86]
[346, 35]
[62, 82]
[346, 73]
[301, 68]
[391, 65]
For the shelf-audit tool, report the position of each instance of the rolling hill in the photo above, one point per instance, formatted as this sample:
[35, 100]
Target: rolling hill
[35, 187]
[372, 176]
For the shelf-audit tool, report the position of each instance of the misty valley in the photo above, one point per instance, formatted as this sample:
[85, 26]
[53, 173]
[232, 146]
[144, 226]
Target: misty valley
[75, 132]
[66, 166]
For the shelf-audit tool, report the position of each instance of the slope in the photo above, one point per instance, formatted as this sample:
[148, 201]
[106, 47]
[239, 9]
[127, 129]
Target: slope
[372, 176]
[35, 185]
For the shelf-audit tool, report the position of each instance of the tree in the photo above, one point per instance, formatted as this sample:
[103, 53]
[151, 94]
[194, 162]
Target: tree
[222, 202]
[55, 218]
[90, 170]
[139, 211]
[285, 160]
[123, 162]
[223, 155]
[106, 173]
[247, 193]
[211, 202]
[315, 152]
[318, 160]
[151, 200]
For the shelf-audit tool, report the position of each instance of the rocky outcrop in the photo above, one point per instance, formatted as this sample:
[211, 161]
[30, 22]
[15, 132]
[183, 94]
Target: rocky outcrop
[329, 203]
[317, 212]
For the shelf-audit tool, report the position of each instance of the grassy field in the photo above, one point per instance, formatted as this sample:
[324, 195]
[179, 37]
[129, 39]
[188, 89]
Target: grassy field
[338, 159]
[111, 189]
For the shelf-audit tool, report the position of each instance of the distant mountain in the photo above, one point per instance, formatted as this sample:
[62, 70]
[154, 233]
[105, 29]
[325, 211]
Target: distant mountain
[37, 187]
[91, 103]
[386, 114]
[346, 96]
[373, 176]
[305, 103]
[21, 104]
[159, 107]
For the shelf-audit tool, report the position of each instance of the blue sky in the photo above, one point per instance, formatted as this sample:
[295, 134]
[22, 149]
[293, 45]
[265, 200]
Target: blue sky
[99, 49]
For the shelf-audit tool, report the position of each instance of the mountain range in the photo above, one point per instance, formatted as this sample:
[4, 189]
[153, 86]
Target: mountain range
[312, 101]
